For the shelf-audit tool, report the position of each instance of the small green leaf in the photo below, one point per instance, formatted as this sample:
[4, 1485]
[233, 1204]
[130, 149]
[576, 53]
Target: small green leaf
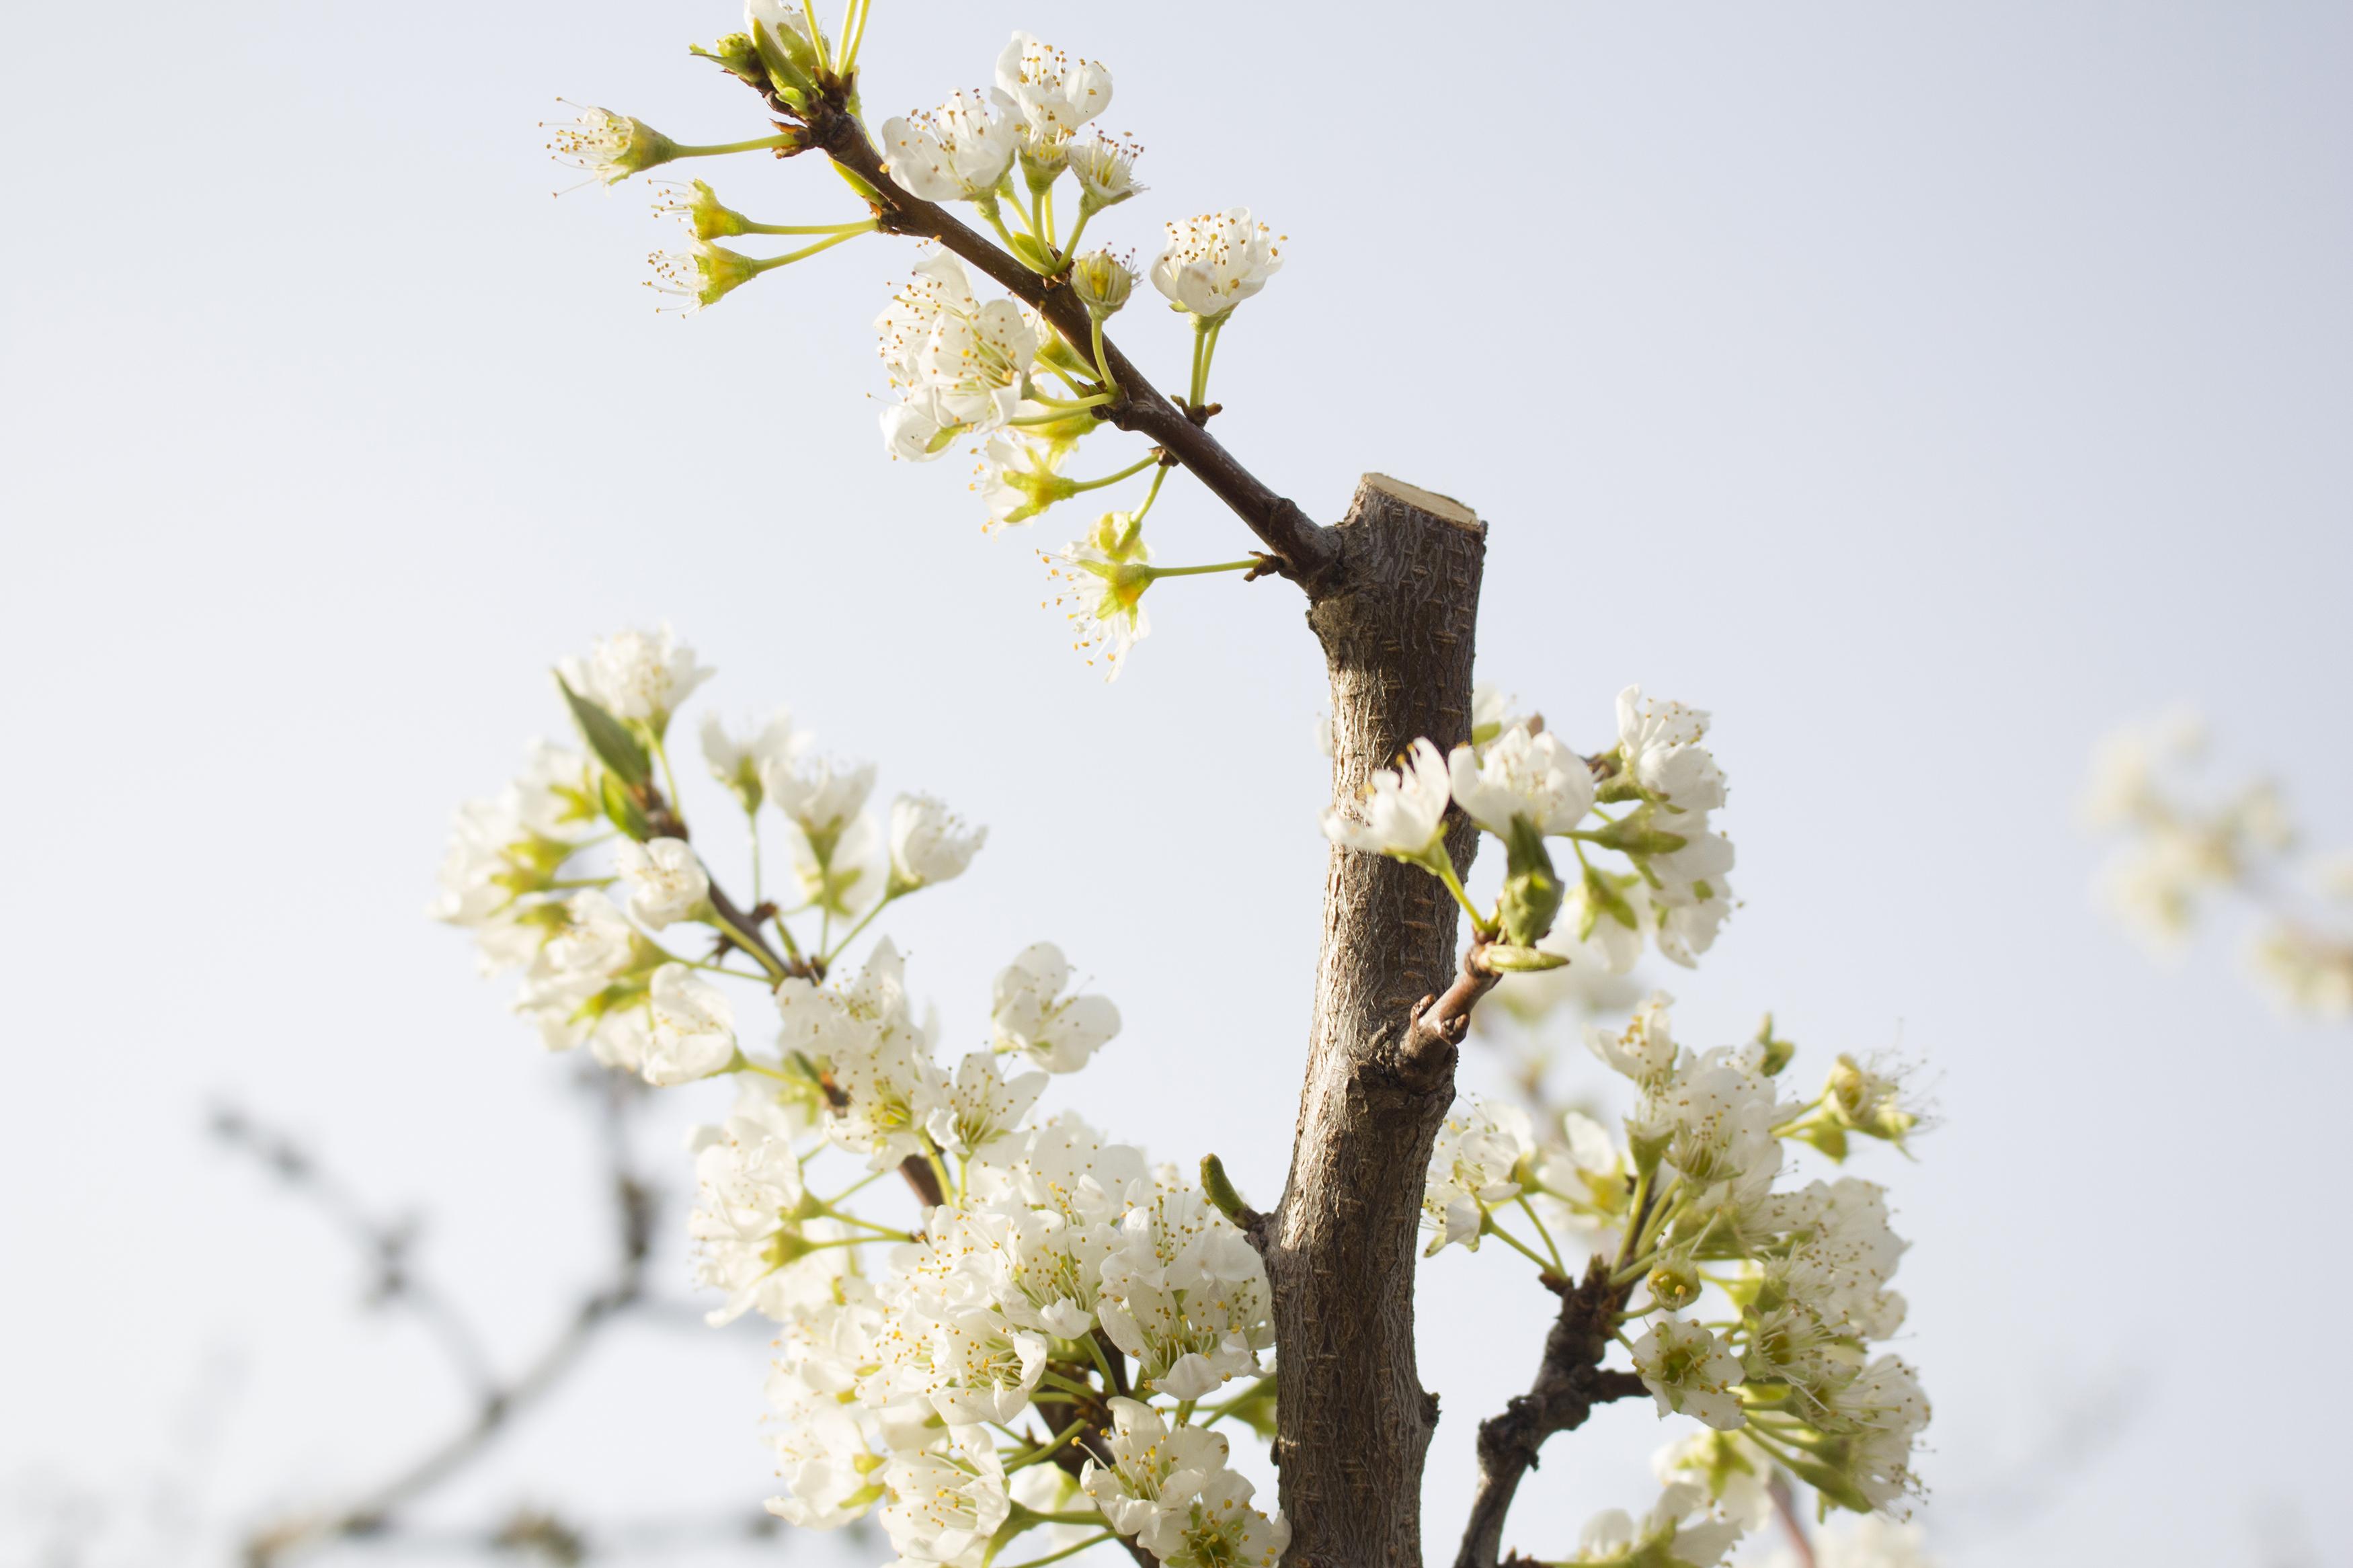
[1033, 254]
[622, 810]
[606, 736]
[1506, 959]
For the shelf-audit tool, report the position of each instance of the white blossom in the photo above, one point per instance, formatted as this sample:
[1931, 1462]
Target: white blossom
[638, 675]
[845, 872]
[945, 1505]
[1030, 1014]
[609, 147]
[692, 1032]
[929, 843]
[1475, 1164]
[1690, 1371]
[1658, 745]
[1051, 94]
[1678, 1532]
[1185, 1293]
[740, 765]
[1220, 1528]
[1644, 1051]
[747, 1223]
[1103, 575]
[666, 881]
[1105, 169]
[982, 1107]
[958, 151]
[957, 365]
[1531, 776]
[587, 951]
[1214, 262]
[1402, 811]
[821, 795]
[1153, 1475]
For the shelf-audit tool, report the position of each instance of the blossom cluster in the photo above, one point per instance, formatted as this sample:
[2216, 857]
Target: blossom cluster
[1759, 1302]
[2182, 848]
[1519, 781]
[1049, 1341]
[994, 373]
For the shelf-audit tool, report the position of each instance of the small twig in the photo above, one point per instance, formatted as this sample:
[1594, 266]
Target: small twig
[1438, 1024]
[1785, 1505]
[1568, 1384]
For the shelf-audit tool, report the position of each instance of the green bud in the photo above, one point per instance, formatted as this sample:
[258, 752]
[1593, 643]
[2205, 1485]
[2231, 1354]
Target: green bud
[790, 58]
[1778, 1052]
[1827, 1136]
[1102, 283]
[1531, 890]
[1220, 1191]
[738, 55]
[705, 274]
[1505, 958]
[1635, 834]
[1674, 1283]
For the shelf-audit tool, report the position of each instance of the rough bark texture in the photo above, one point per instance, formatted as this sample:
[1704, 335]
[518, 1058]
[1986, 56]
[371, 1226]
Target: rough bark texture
[1396, 623]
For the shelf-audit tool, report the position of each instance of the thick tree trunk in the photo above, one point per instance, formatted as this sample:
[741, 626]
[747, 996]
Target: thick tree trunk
[1395, 613]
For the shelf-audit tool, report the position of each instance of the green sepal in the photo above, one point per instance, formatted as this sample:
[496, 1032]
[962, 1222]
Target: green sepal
[1032, 254]
[1505, 958]
[857, 183]
[1635, 836]
[621, 809]
[738, 55]
[606, 736]
[1826, 1136]
[1220, 1190]
[1531, 890]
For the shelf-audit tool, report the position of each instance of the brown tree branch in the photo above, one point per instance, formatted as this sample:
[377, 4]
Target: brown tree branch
[1568, 1384]
[1304, 549]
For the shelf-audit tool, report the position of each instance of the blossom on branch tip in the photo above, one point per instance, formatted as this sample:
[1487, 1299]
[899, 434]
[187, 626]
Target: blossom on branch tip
[692, 1032]
[1402, 811]
[1678, 1532]
[1050, 94]
[1104, 572]
[956, 364]
[1030, 1015]
[1102, 283]
[610, 147]
[1522, 774]
[1104, 167]
[1690, 1371]
[739, 764]
[1214, 262]
[929, 843]
[958, 151]
[637, 675]
[666, 881]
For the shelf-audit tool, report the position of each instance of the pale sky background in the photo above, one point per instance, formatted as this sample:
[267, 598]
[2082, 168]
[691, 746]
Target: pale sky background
[1922, 389]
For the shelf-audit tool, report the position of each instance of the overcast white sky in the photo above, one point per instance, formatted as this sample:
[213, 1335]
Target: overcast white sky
[1920, 388]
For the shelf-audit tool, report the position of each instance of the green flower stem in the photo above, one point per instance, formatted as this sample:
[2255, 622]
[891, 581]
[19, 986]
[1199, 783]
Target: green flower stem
[1782, 1130]
[1129, 472]
[1057, 1381]
[1487, 1225]
[853, 33]
[1069, 406]
[859, 228]
[1103, 365]
[749, 943]
[1200, 335]
[771, 263]
[566, 884]
[1046, 218]
[755, 144]
[1208, 357]
[857, 1187]
[1103, 1365]
[1151, 495]
[829, 954]
[817, 36]
[1046, 1451]
[1055, 1557]
[1224, 1408]
[670, 780]
[1435, 860]
[1071, 246]
[1535, 1220]
[1156, 573]
[892, 1231]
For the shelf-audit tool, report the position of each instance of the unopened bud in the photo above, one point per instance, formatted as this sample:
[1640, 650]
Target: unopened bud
[1102, 283]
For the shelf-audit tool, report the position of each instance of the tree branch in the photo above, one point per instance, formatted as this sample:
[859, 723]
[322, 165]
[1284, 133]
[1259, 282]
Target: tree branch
[1305, 549]
[1568, 1384]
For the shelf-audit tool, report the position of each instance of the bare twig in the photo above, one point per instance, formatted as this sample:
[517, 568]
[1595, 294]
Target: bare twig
[498, 1404]
[1568, 1384]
